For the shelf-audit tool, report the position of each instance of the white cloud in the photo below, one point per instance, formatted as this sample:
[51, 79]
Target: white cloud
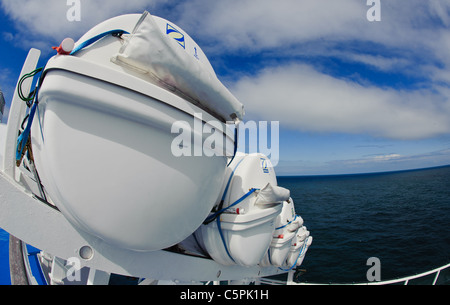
[441, 9]
[305, 99]
[47, 19]
[287, 27]
[382, 163]
[412, 38]
[379, 62]
[255, 25]
[392, 162]
[387, 157]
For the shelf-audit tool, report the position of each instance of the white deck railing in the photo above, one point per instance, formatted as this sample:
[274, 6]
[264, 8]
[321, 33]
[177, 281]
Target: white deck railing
[436, 278]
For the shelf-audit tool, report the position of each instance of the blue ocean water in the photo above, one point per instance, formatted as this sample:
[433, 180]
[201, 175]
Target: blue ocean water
[402, 218]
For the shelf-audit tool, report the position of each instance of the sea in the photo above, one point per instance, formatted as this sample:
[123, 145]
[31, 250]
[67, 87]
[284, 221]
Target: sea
[400, 218]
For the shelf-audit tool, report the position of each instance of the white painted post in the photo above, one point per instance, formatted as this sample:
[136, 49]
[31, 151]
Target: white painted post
[17, 114]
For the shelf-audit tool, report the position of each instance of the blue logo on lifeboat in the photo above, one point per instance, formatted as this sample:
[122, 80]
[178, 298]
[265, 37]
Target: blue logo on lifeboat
[177, 35]
[264, 166]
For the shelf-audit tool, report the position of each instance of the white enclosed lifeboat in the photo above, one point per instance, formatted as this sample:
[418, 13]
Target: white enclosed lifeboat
[103, 135]
[240, 230]
[286, 227]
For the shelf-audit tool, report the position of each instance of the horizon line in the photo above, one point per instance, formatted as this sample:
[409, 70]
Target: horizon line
[367, 173]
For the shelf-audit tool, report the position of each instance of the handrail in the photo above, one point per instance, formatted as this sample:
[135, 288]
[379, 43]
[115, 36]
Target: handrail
[413, 277]
[404, 280]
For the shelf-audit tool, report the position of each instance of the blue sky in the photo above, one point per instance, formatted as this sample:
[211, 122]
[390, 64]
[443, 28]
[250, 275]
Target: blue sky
[351, 96]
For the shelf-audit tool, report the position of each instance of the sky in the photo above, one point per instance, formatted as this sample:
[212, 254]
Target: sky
[357, 86]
